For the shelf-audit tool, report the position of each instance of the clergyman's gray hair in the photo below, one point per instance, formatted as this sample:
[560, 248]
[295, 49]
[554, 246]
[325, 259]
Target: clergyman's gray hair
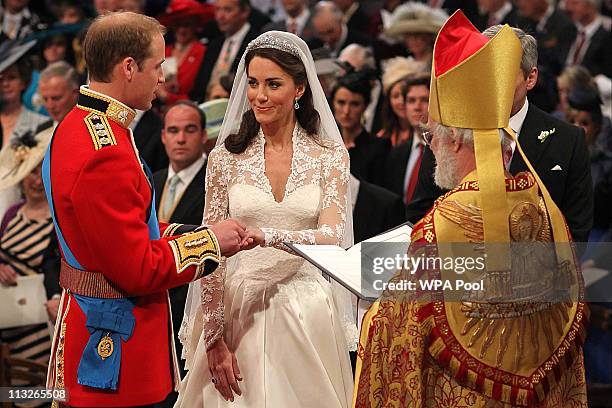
[529, 45]
[466, 136]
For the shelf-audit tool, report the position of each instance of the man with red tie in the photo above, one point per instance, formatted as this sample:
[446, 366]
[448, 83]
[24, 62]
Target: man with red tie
[402, 168]
[113, 341]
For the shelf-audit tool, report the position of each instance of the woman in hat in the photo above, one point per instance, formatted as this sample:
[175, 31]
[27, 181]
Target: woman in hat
[186, 53]
[416, 25]
[572, 77]
[27, 244]
[16, 119]
[396, 126]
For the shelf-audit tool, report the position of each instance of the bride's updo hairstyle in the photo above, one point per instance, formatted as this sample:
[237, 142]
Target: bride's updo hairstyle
[306, 115]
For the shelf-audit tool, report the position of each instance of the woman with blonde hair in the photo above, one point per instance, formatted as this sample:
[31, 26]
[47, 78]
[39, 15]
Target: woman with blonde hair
[396, 126]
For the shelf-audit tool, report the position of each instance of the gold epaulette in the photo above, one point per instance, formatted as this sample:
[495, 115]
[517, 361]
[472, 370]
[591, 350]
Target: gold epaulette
[100, 131]
[199, 248]
[103, 108]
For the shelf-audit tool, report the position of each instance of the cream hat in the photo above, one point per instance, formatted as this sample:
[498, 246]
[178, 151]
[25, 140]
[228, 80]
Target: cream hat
[398, 68]
[415, 18]
[20, 157]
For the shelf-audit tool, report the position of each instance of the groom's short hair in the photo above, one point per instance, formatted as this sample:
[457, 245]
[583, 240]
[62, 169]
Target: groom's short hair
[115, 36]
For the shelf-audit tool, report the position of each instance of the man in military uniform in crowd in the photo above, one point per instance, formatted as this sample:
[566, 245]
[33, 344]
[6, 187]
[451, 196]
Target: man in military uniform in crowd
[517, 340]
[113, 340]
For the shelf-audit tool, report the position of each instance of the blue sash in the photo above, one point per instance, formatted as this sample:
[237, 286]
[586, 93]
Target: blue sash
[109, 321]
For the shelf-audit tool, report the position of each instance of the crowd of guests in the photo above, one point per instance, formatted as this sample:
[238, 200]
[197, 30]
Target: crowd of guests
[374, 60]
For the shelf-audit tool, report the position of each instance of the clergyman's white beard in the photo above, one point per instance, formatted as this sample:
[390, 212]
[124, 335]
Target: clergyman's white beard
[445, 174]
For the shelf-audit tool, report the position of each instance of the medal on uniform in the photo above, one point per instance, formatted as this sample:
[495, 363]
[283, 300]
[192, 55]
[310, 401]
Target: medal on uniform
[105, 347]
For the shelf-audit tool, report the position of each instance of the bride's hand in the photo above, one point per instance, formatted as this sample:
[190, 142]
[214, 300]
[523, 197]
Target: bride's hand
[224, 369]
[256, 236]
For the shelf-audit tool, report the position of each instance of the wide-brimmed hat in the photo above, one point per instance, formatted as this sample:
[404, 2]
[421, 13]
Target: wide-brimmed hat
[398, 68]
[215, 111]
[12, 51]
[22, 155]
[180, 10]
[415, 18]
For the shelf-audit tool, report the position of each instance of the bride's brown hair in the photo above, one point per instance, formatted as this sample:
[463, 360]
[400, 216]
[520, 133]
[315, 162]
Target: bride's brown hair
[306, 115]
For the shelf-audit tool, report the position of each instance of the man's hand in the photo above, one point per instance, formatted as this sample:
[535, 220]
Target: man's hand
[52, 306]
[224, 370]
[231, 235]
[8, 276]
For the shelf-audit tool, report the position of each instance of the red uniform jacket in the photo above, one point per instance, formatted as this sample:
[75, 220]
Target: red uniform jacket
[102, 198]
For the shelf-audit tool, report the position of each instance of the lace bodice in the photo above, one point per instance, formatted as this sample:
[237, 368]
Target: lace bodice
[312, 210]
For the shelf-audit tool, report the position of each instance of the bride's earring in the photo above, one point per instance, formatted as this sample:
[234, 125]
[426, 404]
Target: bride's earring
[296, 105]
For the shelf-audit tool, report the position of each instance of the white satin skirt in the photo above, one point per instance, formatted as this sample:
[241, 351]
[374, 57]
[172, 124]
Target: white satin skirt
[289, 344]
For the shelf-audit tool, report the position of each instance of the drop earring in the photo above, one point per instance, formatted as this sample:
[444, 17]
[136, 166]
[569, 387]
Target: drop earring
[296, 105]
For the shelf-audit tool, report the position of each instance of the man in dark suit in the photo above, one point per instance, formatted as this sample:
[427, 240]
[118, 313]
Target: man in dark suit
[17, 20]
[147, 129]
[497, 12]
[553, 29]
[403, 164]
[224, 52]
[469, 7]
[298, 21]
[179, 188]
[331, 32]
[594, 41]
[560, 157]
[375, 209]
[356, 18]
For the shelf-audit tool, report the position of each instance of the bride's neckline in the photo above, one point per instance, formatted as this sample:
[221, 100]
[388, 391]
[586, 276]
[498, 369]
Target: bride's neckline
[296, 138]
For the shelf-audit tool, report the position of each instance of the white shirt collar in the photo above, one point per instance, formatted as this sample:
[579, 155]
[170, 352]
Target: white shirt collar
[350, 11]
[545, 17]
[417, 139]
[591, 28]
[24, 13]
[502, 12]
[516, 124]
[354, 184]
[338, 45]
[239, 35]
[187, 175]
[300, 20]
[136, 119]
[516, 120]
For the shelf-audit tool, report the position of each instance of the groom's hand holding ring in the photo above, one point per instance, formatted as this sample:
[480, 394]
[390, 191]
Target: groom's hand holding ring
[230, 234]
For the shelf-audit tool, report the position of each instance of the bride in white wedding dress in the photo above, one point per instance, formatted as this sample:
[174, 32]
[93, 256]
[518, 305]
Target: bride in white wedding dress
[268, 330]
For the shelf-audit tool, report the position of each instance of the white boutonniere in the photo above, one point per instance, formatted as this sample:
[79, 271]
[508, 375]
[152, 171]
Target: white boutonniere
[544, 134]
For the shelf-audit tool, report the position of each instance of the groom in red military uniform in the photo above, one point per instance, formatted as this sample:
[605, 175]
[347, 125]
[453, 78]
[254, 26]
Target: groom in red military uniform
[113, 341]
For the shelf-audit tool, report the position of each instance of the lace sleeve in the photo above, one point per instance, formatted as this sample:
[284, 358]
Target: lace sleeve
[215, 209]
[332, 218]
